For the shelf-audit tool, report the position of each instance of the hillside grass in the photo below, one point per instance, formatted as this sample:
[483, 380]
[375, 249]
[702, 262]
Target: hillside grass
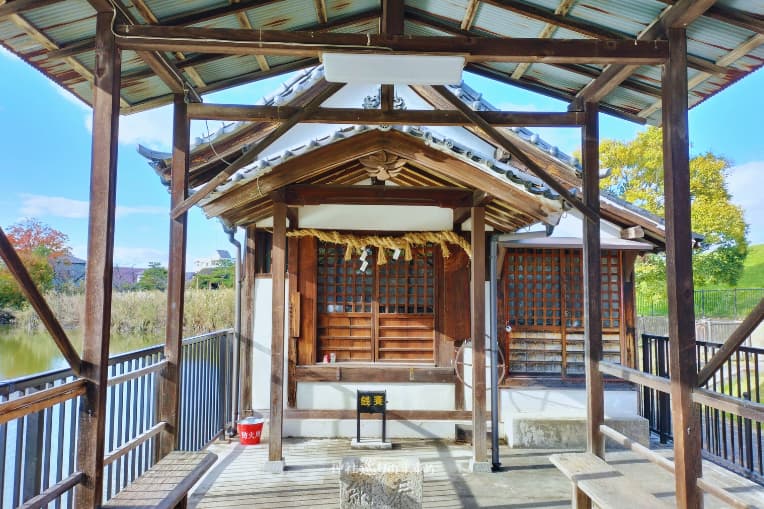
[753, 271]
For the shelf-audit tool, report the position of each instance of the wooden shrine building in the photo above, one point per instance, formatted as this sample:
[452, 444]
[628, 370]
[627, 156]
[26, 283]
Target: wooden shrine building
[375, 201]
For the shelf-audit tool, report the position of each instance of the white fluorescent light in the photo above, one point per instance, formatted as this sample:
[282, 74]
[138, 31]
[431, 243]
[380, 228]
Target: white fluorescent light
[393, 68]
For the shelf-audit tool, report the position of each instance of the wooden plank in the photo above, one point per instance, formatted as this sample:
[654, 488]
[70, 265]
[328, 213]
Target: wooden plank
[513, 149]
[251, 154]
[40, 400]
[135, 442]
[603, 484]
[592, 268]
[635, 376]
[19, 272]
[247, 321]
[682, 361]
[98, 282]
[374, 374]
[55, 491]
[738, 336]
[306, 350]
[392, 415]
[278, 266]
[736, 406]
[475, 49]
[477, 333]
[167, 483]
[170, 376]
[244, 113]
[308, 194]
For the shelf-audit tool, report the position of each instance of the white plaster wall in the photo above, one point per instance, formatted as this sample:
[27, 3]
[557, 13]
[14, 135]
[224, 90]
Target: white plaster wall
[563, 403]
[261, 348]
[400, 396]
[376, 217]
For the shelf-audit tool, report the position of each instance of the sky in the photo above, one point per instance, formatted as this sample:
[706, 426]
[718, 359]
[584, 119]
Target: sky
[45, 136]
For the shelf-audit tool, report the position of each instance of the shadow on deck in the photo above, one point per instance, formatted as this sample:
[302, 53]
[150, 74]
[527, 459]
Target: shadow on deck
[527, 479]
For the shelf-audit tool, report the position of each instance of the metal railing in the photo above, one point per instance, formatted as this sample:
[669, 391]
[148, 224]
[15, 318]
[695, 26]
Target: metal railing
[734, 303]
[727, 438]
[38, 450]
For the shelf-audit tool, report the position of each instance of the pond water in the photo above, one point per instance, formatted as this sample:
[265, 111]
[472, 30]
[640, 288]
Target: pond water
[23, 353]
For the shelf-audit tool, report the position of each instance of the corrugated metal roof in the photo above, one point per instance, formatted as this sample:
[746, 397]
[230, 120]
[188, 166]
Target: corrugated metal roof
[70, 22]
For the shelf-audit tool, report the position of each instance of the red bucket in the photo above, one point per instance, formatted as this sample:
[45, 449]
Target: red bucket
[249, 430]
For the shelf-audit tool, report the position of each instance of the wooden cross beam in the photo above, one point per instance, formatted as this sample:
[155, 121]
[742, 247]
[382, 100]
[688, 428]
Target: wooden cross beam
[679, 14]
[474, 49]
[736, 339]
[251, 154]
[38, 302]
[235, 113]
[510, 147]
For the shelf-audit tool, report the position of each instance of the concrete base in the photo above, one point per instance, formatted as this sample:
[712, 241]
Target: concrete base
[274, 467]
[556, 432]
[346, 428]
[374, 445]
[477, 467]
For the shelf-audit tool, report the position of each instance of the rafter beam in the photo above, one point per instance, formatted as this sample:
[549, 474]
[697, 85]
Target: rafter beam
[251, 154]
[235, 113]
[510, 147]
[162, 67]
[268, 42]
[469, 14]
[728, 59]
[321, 11]
[680, 14]
[307, 194]
[546, 33]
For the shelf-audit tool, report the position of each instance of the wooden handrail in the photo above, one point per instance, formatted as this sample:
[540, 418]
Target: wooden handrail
[668, 465]
[731, 404]
[736, 339]
[135, 442]
[25, 405]
[635, 376]
[55, 491]
[137, 373]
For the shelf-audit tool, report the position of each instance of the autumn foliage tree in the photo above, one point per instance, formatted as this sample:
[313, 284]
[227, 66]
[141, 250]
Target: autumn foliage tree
[36, 244]
[637, 176]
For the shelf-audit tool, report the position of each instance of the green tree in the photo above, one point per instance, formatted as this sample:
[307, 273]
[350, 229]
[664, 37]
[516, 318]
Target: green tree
[36, 243]
[637, 176]
[220, 276]
[153, 278]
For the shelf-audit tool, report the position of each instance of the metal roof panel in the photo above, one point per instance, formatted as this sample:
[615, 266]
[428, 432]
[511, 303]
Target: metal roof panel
[506, 23]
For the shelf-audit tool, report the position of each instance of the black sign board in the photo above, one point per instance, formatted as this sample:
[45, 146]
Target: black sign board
[371, 402]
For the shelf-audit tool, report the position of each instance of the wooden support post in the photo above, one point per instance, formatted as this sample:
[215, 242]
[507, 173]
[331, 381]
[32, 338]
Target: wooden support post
[479, 445]
[247, 321]
[170, 376]
[682, 361]
[103, 183]
[278, 266]
[293, 267]
[595, 413]
[628, 327]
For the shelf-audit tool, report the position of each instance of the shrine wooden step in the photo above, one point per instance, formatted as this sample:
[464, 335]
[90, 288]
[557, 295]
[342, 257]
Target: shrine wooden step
[595, 480]
[166, 484]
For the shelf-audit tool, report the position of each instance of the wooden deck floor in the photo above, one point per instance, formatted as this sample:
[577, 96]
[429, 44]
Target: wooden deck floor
[527, 480]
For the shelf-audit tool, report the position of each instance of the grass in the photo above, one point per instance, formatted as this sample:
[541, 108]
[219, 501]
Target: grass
[142, 312]
[753, 272]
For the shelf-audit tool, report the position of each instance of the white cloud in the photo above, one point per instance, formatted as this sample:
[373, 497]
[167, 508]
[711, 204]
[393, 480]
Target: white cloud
[69, 97]
[36, 205]
[744, 183]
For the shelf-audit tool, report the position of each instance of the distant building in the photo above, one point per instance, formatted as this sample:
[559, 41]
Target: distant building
[124, 278]
[68, 271]
[221, 255]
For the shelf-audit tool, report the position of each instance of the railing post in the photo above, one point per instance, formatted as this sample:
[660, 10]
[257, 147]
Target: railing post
[32, 455]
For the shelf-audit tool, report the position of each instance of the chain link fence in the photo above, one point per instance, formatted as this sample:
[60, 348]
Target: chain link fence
[734, 304]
